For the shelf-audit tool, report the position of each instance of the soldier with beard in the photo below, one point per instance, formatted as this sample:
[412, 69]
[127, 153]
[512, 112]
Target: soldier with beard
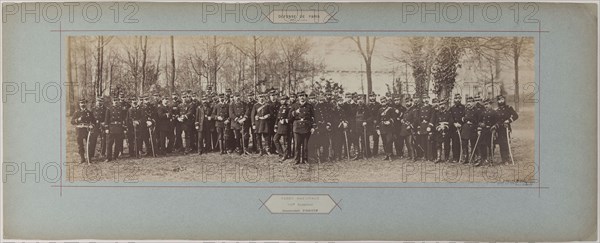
[250, 101]
[337, 136]
[374, 106]
[442, 120]
[347, 115]
[99, 112]
[506, 115]
[469, 129]
[458, 112]
[406, 128]
[149, 135]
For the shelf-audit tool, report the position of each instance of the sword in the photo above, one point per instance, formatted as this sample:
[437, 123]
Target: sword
[461, 145]
[87, 147]
[242, 142]
[492, 147]
[509, 148]
[151, 142]
[365, 141]
[135, 142]
[347, 147]
[212, 142]
[474, 148]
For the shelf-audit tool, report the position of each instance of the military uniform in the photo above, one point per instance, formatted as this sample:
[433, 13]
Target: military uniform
[283, 130]
[468, 131]
[425, 132]
[506, 115]
[487, 124]
[221, 117]
[240, 115]
[261, 114]
[320, 142]
[202, 114]
[362, 118]
[407, 121]
[398, 144]
[388, 116]
[137, 118]
[164, 128]
[84, 120]
[176, 124]
[442, 120]
[458, 112]
[99, 111]
[187, 118]
[115, 119]
[373, 123]
[150, 134]
[303, 118]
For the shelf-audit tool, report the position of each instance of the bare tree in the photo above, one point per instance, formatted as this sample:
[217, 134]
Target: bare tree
[367, 53]
[172, 65]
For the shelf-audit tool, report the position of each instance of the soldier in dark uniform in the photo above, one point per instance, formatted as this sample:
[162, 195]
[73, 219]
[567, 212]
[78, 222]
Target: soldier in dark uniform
[137, 118]
[212, 123]
[187, 118]
[164, 128]
[442, 120]
[398, 145]
[283, 129]
[337, 136]
[374, 106]
[487, 125]
[149, 135]
[130, 135]
[176, 107]
[240, 116]
[250, 102]
[84, 120]
[261, 113]
[221, 117]
[425, 129]
[320, 142]
[201, 124]
[385, 129]
[362, 117]
[458, 112]
[303, 126]
[469, 128]
[506, 115]
[115, 120]
[406, 128]
[347, 134]
[99, 112]
[274, 104]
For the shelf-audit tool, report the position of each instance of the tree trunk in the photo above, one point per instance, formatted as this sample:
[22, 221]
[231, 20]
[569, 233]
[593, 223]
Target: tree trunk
[516, 62]
[172, 65]
[144, 55]
[70, 76]
[369, 77]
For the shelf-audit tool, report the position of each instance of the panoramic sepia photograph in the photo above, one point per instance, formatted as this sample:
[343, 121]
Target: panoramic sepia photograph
[309, 109]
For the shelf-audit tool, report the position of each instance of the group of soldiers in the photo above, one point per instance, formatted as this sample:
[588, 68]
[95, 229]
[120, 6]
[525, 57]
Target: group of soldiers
[327, 127]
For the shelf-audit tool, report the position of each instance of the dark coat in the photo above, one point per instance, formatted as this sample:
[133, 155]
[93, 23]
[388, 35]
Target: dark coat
[283, 125]
[303, 117]
[261, 115]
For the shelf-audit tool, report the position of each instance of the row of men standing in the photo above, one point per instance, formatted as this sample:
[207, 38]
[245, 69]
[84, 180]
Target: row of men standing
[342, 127]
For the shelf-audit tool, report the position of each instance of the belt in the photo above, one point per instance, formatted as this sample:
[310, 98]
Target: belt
[83, 125]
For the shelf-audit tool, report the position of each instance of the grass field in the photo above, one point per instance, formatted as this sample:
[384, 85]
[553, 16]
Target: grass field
[213, 167]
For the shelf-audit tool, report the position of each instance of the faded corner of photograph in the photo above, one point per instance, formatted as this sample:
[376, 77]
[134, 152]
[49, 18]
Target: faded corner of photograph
[308, 109]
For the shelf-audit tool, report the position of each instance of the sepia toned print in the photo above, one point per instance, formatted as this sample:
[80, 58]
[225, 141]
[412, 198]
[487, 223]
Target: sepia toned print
[301, 108]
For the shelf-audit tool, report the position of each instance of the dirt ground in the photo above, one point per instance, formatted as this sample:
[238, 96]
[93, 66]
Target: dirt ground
[213, 167]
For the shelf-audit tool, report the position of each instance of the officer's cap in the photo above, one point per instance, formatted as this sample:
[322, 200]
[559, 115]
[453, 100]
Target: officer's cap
[407, 98]
[499, 97]
[348, 95]
[457, 96]
[312, 96]
[477, 98]
[284, 97]
[470, 99]
[82, 101]
[383, 98]
[397, 98]
[434, 101]
[301, 93]
[487, 101]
